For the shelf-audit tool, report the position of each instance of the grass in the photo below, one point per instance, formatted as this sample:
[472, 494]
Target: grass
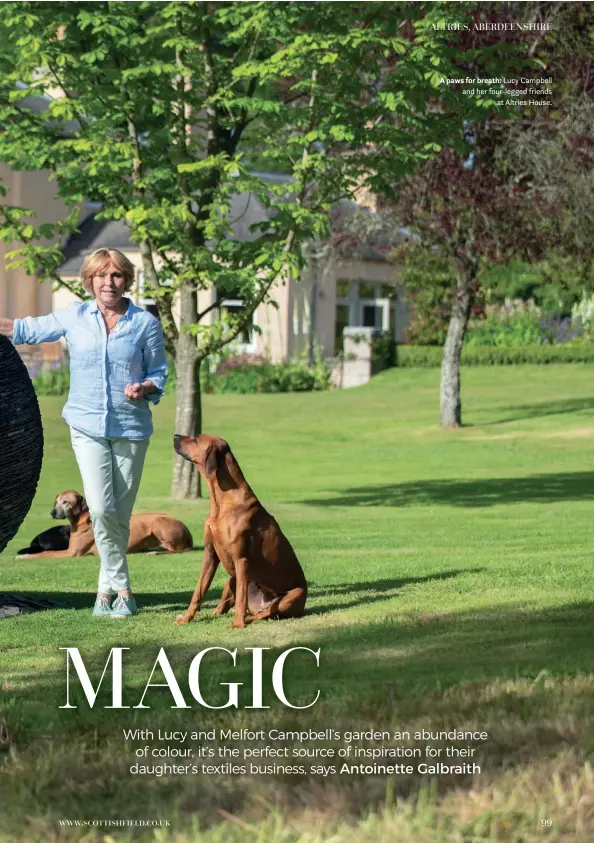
[450, 589]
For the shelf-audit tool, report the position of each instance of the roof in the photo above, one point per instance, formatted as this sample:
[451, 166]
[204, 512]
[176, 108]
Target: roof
[246, 210]
[95, 233]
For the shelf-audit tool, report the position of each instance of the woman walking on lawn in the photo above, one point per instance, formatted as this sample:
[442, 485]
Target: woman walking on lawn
[117, 367]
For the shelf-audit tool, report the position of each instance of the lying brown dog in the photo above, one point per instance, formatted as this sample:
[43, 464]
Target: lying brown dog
[147, 532]
[265, 575]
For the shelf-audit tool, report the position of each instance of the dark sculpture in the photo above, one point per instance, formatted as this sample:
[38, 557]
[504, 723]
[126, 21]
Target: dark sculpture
[21, 442]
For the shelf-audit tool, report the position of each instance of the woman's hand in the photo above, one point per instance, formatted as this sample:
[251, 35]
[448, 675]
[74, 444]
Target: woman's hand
[6, 327]
[136, 391]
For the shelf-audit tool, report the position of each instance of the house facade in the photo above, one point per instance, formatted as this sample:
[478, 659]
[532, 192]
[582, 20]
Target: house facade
[335, 290]
[20, 294]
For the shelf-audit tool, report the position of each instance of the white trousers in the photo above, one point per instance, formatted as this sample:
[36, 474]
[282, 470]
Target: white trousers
[110, 470]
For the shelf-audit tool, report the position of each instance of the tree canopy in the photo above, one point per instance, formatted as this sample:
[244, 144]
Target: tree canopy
[158, 111]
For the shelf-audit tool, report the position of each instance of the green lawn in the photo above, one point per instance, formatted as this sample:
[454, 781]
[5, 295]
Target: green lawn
[450, 588]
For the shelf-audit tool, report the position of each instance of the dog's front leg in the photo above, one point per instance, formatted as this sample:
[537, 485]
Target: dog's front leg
[241, 592]
[210, 562]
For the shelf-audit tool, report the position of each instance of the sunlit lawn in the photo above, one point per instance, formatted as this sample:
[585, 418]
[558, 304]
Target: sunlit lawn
[450, 588]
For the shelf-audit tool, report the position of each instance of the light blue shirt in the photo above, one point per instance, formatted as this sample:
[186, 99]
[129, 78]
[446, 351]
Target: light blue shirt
[102, 365]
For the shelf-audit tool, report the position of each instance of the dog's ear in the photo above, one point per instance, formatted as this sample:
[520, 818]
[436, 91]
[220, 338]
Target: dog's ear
[211, 458]
[80, 505]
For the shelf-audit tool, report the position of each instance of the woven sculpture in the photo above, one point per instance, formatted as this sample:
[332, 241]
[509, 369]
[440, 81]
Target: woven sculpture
[21, 442]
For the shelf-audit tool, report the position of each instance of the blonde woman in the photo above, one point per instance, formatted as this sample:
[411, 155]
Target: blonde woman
[117, 369]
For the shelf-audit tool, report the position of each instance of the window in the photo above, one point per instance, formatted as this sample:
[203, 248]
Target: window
[372, 316]
[364, 304]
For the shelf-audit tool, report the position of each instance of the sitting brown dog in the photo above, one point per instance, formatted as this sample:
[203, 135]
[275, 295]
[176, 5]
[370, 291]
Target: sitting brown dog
[147, 532]
[265, 574]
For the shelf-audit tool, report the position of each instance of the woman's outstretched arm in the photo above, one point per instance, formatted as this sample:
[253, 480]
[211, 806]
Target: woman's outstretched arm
[34, 329]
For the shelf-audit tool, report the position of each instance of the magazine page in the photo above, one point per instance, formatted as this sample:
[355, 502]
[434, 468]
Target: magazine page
[296, 334]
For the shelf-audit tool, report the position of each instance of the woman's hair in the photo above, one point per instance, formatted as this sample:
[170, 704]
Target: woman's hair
[98, 260]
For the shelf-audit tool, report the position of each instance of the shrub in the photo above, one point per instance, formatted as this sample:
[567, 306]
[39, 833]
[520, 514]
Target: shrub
[249, 374]
[527, 327]
[554, 284]
[241, 379]
[52, 381]
[266, 377]
[239, 361]
[293, 377]
[383, 352]
[561, 330]
[582, 313]
[419, 356]
[522, 328]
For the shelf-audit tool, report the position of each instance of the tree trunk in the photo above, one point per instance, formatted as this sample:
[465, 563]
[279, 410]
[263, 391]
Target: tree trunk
[188, 422]
[450, 411]
[313, 318]
[188, 411]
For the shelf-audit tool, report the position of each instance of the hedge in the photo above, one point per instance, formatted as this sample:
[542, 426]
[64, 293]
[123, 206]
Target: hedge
[427, 356]
[289, 376]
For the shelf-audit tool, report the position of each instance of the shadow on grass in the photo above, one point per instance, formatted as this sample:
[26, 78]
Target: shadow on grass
[396, 658]
[544, 408]
[475, 670]
[538, 488]
[369, 591]
[80, 600]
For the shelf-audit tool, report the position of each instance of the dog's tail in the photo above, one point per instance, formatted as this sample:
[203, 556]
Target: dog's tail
[35, 548]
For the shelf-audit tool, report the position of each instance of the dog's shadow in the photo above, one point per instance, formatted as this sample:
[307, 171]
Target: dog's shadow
[371, 591]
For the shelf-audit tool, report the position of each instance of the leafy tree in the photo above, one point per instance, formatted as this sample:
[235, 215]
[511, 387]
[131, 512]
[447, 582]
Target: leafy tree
[552, 154]
[475, 217]
[525, 192]
[157, 108]
[467, 208]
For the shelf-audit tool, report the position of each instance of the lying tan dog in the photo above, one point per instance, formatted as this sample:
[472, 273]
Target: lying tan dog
[265, 574]
[147, 532]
